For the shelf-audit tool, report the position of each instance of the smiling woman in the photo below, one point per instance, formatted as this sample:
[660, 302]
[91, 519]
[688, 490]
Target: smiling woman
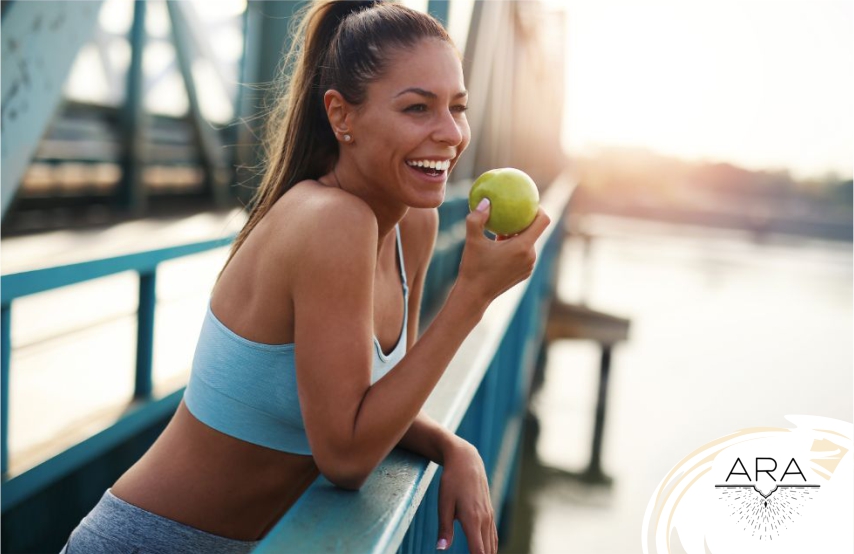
[307, 362]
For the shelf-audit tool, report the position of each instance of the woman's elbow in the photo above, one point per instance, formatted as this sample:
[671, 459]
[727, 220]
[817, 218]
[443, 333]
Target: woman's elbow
[343, 472]
[347, 482]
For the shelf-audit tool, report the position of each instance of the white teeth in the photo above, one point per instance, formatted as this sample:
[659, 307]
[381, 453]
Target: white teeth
[439, 165]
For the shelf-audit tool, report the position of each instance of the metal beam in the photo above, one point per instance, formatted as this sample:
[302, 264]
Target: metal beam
[267, 40]
[210, 147]
[439, 9]
[40, 43]
[131, 195]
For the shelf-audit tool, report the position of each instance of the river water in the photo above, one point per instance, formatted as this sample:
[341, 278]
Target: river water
[727, 332]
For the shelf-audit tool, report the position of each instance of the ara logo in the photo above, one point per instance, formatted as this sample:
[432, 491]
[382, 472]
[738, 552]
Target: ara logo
[759, 490]
[751, 503]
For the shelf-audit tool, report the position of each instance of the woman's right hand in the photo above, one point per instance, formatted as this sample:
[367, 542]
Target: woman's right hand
[490, 267]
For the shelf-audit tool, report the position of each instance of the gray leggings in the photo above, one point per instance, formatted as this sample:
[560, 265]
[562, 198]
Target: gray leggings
[116, 527]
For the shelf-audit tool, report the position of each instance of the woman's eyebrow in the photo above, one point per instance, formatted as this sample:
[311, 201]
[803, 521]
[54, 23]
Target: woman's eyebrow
[428, 94]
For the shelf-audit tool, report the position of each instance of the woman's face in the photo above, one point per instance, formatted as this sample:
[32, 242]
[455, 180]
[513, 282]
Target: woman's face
[413, 115]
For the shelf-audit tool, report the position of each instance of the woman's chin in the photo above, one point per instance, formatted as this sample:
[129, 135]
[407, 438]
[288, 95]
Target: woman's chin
[429, 199]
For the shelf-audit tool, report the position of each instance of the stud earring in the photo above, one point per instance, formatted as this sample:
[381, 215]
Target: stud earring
[347, 138]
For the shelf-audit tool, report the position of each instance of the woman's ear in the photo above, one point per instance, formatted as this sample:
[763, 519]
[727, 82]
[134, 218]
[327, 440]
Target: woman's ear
[338, 112]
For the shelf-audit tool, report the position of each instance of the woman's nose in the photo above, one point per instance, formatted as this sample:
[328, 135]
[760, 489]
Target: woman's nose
[448, 129]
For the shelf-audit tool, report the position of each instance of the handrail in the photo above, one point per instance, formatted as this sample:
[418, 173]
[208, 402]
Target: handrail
[377, 519]
[16, 285]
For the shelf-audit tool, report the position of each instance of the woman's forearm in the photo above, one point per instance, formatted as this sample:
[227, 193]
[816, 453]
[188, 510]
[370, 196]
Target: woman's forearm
[390, 405]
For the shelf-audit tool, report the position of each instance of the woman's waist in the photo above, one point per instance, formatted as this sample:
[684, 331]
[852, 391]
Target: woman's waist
[214, 482]
[233, 509]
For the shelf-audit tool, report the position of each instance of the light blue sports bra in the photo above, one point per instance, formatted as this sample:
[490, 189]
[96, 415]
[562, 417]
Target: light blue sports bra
[248, 389]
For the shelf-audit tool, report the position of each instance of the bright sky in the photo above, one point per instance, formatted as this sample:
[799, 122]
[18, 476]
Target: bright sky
[765, 84]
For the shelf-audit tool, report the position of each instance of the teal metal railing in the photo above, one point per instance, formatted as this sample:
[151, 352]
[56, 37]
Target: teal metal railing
[482, 397]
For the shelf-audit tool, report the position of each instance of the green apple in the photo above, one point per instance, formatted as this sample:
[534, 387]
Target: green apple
[513, 199]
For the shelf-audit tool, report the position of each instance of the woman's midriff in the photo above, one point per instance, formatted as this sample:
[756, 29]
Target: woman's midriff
[200, 477]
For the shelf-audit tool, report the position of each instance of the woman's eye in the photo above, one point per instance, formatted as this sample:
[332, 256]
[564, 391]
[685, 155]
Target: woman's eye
[461, 109]
[417, 108]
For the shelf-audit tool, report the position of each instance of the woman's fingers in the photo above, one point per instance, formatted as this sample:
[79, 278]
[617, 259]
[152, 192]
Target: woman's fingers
[488, 538]
[476, 221]
[540, 224]
[446, 521]
[535, 229]
[490, 532]
[495, 535]
[474, 535]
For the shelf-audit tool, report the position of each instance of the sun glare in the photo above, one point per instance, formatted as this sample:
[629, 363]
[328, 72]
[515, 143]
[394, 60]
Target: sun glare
[766, 85]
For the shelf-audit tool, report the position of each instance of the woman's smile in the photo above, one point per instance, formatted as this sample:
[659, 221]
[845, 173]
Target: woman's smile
[430, 170]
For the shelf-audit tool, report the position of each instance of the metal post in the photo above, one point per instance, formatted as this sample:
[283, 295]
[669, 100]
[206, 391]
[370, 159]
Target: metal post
[132, 194]
[594, 471]
[6, 346]
[145, 335]
[586, 267]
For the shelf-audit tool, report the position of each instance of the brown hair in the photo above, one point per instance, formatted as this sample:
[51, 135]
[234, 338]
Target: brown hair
[338, 44]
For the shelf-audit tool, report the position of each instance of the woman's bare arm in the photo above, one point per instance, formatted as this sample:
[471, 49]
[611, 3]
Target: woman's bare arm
[351, 424]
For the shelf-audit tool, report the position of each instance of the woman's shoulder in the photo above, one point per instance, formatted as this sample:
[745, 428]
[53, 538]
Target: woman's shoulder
[311, 211]
[311, 200]
[317, 218]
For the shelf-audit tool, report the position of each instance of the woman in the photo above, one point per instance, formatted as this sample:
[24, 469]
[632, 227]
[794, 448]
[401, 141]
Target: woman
[289, 379]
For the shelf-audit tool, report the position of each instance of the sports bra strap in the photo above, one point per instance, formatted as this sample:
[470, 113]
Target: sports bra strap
[400, 257]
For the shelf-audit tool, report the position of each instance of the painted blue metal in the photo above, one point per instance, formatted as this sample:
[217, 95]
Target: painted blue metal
[381, 511]
[145, 334]
[486, 421]
[40, 43]
[439, 9]
[41, 280]
[267, 39]
[449, 244]
[6, 346]
[132, 195]
[137, 420]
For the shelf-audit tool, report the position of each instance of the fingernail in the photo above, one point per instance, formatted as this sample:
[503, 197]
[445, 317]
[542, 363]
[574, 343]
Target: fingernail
[483, 205]
[443, 544]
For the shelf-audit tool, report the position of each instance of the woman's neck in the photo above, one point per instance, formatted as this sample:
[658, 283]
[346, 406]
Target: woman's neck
[347, 177]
